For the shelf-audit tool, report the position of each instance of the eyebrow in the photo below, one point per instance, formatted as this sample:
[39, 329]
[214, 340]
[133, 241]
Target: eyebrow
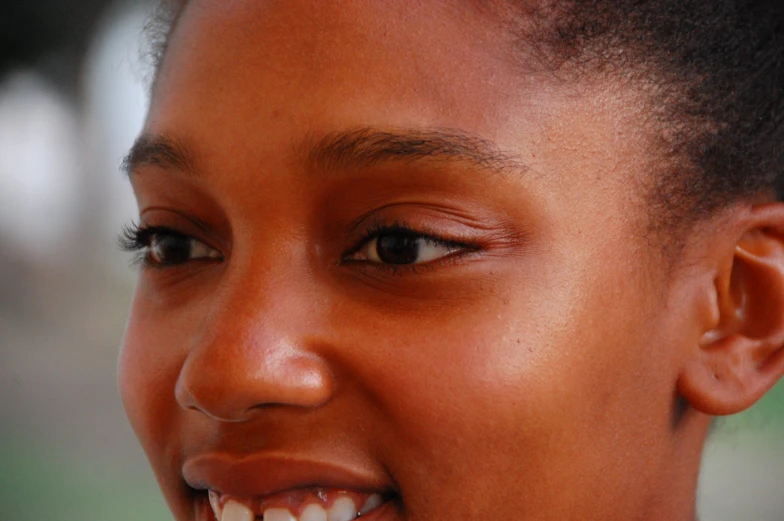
[157, 150]
[358, 148]
[367, 147]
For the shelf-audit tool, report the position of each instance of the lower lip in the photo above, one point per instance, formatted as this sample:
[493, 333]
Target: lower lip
[204, 510]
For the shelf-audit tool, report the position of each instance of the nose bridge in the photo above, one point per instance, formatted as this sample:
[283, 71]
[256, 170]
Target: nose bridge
[255, 349]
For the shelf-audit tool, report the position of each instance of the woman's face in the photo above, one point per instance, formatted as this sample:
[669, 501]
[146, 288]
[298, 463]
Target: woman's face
[385, 259]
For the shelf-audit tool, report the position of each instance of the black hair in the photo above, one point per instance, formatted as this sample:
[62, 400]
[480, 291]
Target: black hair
[714, 70]
[156, 33]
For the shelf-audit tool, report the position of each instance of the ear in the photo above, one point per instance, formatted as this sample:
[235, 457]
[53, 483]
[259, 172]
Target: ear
[742, 355]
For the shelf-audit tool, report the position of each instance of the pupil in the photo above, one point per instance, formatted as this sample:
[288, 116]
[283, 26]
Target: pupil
[172, 249]
[398, 248]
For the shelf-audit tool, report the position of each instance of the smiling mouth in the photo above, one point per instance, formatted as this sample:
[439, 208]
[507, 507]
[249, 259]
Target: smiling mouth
[285, 487]
[309, 504]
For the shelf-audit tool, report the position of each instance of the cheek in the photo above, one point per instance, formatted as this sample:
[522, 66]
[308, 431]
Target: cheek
[148, 369]
[526, 342]
[545, 378]
[463, 371]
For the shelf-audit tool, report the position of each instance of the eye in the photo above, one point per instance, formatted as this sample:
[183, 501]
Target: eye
[160, 247]
[169, 249]
[404, 247]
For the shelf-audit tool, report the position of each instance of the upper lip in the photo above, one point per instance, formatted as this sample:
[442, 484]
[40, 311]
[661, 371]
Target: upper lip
[266, 474]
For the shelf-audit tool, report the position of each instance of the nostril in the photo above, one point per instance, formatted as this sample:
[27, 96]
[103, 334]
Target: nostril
[186, 398]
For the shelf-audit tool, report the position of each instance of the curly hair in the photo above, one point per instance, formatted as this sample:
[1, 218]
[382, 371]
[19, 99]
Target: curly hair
[714, 70]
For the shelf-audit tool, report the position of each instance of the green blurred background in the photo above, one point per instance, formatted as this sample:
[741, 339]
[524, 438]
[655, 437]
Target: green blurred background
[71, 101]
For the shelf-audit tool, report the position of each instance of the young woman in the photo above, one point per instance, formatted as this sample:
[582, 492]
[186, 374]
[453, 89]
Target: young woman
[445, 260]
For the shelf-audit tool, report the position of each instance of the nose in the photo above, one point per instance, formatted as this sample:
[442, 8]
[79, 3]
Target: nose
[250, 356]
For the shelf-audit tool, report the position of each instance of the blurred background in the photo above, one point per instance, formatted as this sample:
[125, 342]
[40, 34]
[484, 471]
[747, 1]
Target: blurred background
[72, 99]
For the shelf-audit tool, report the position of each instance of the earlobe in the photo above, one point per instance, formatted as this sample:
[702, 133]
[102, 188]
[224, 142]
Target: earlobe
[742, 356]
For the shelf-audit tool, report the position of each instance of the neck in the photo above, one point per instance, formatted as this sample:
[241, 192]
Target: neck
[679, 479]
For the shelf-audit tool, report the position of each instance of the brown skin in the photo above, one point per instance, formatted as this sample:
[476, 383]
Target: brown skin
[533, 375]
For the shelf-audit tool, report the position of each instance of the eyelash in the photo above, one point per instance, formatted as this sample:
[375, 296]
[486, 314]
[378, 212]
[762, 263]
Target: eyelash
[137, 238]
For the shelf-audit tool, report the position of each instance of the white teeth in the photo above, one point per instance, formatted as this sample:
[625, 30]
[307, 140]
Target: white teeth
[372, 502]
[343, 509]
[278, 514]
[313, 512]
[215, 504]
[233, 511]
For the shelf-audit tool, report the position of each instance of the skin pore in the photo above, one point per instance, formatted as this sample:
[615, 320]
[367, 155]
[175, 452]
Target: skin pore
[527, 362]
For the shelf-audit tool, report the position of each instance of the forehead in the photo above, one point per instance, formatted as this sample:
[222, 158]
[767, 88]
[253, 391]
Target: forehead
[404, 63]
[243, 81]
